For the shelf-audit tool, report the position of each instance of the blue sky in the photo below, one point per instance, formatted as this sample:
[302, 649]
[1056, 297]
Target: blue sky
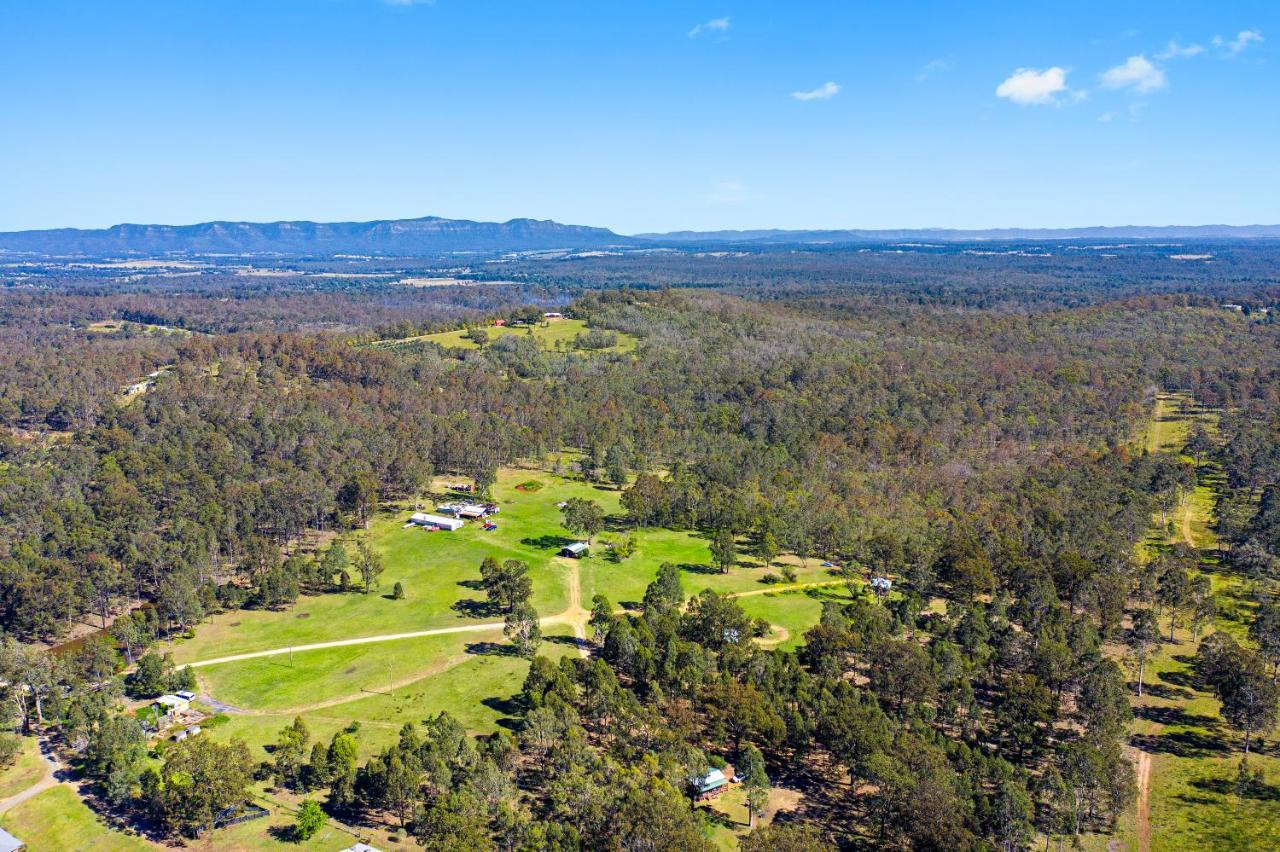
[642, 115]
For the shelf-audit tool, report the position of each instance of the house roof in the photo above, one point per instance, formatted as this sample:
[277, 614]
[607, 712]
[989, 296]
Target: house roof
[710, 780]
[171, 700]
[9, 843]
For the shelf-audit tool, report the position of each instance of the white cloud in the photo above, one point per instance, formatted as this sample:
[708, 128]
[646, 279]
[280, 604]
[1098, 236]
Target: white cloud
[935, 66]
[1236, 46]
[715, 25]
[1032, 87]
[1180, 51]
[824, 92]
[1137, 73]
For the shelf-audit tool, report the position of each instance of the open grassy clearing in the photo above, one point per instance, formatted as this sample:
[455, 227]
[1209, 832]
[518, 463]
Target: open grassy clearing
[472, 675]
[553, 335]
[1193, 755]
[114, 326]
[25, 771]
[58, 820]
[440, 571]
[476, 685]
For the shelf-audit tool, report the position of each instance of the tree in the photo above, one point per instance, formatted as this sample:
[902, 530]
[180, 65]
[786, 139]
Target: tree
[521, 627]
[290, 753]
[1174, 593]
[335, 564]
[358, 497]
[199, 778]
[477, 335]
[310, 819]
[1204, 606]
[666, 592]
[617, 462]
[507, 583]
[767, 547]
[369, 564]
[723, 550]
[1265, 631]
[151, 677]
[601, 617]
[1248, 696]
[756, 781]
[583, 517]
[1144, 637]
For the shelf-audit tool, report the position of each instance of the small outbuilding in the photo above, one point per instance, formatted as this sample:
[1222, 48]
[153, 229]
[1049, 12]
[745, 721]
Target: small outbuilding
[436, 522]
[576, 550]
[169, 704]
[709, 784]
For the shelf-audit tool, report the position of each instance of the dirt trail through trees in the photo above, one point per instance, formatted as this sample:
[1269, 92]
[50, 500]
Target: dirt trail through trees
[1144, 801]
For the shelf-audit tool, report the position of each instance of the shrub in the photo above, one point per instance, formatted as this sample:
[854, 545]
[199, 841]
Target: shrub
[397, 591]
[770, 578]
[789, 573]
[310, 820]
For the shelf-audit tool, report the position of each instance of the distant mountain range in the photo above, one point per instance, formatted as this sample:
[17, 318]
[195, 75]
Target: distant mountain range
[952, 235]
[434, 235]
[428, 235]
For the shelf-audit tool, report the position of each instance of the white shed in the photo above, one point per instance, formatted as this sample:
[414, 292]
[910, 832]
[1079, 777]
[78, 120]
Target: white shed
[436, 522]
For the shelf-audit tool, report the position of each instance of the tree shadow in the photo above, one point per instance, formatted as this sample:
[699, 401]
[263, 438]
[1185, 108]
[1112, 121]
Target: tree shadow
[1259, 791]
[1181, 743]
[284, 834]
[1177, 716]
[473, 585]
[472, 608]
[1160, 690]
[571, 641]
[547, 541]
[698, 568]
[631, 606]
[492, 649]
[512, 706]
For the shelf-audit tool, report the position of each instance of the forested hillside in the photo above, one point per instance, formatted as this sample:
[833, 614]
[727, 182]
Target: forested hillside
[967, 426]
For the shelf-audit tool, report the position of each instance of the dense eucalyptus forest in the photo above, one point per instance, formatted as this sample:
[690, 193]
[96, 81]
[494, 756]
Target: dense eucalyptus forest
[966, 421]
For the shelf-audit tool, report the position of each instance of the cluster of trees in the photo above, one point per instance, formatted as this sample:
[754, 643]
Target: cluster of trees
[508, 587]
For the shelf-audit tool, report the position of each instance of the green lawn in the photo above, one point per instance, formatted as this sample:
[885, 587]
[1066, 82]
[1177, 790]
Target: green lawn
[792, 613]
[434, 567]
[559, 333]
[25, 771]
[58, 820]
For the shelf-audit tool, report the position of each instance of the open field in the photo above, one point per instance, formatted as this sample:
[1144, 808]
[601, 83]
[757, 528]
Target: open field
[556, 334]
[1190, 800]
[472, 674]
[58, 820]
[440, 572]
[114, 325]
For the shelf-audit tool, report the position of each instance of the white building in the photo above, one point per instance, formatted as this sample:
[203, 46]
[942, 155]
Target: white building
[436, 522]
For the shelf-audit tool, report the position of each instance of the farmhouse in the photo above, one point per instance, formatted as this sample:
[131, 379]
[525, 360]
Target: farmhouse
[9, 843]
[435, 522]
[709, 784]
[169, 704]
[576, 550]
